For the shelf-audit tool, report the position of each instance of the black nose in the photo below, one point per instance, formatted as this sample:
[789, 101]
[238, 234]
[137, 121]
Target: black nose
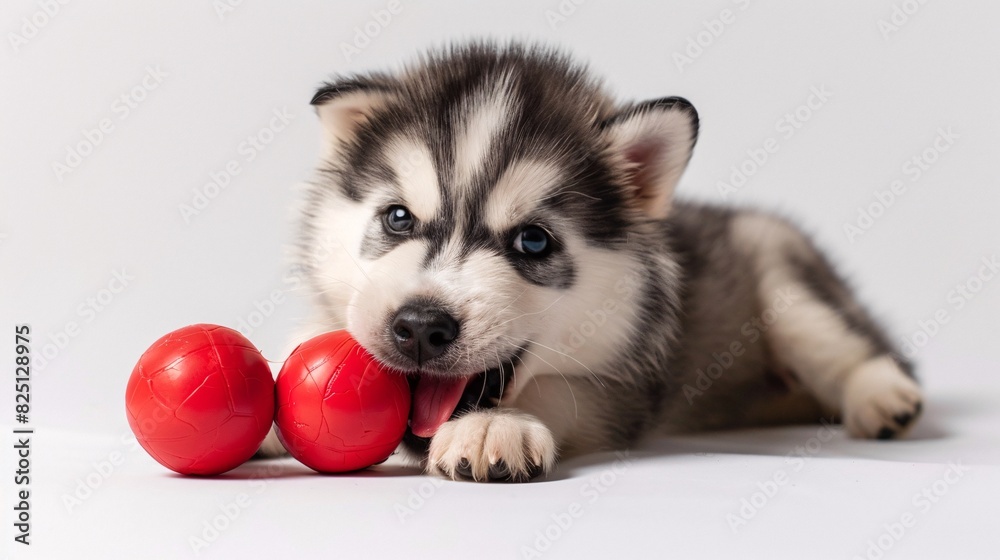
[423, 331]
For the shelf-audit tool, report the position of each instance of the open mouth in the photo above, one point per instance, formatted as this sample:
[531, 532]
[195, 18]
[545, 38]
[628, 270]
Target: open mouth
[434, 400]
[438, 398]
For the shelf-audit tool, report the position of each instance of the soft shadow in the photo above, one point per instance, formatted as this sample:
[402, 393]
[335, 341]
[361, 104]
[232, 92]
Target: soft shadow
[815, 441]
[379, 471]
[819, 440]
[283, 468]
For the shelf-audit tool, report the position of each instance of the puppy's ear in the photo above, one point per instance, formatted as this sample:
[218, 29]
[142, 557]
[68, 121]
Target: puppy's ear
[654, 141]
[343, 106]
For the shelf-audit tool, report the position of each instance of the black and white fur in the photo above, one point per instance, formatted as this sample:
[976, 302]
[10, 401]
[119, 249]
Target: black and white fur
[600, 343]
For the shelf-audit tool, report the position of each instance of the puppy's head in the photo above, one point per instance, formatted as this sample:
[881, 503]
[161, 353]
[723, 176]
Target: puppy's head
[472, 209]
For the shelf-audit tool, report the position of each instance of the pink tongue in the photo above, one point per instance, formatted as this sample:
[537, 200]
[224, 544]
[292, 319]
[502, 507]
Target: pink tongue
[433, 402]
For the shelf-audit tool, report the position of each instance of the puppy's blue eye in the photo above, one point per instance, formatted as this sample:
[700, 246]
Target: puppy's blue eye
[532, 240]
[398, 219]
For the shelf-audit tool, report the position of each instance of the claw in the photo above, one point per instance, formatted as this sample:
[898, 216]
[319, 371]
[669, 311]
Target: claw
[464, 468]
[499, 471]
[886, 433]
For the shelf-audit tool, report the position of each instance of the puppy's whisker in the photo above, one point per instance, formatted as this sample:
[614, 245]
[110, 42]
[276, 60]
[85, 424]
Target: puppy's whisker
[458, 358]
[485, 369]
[500, 370]
[482, 391]
[596, 377]
[350, 256]
[576, 410]
[335, 288]
[531, 313]
[506, 307]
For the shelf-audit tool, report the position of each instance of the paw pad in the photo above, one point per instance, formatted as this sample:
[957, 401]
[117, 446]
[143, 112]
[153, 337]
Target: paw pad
[496, 445]
[880, 401]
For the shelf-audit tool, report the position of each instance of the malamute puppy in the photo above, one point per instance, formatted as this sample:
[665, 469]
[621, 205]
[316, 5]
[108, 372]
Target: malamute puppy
[492, 222]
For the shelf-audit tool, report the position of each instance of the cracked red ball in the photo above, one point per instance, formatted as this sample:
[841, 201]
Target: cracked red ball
[200, 400]
[338, 409]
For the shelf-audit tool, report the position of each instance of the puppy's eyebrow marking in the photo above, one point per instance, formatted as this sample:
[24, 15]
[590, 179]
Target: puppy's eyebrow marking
[518, 191]
[416, 176]
[484, 114]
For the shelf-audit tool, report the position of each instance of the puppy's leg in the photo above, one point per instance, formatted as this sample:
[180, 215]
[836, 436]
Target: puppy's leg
[550, 416]
[819, 331]
[492, 444]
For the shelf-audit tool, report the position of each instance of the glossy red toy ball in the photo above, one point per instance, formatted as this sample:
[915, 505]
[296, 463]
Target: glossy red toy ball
[201, 400]
[339, 410]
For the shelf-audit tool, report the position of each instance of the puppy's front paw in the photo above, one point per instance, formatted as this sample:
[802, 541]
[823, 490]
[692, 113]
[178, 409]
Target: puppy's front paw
[492, 445]
[880, 401]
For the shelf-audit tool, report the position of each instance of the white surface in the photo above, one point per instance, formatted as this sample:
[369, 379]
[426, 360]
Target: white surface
[671, 499]
[60, 242]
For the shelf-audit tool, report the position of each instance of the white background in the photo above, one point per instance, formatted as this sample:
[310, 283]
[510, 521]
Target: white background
[63, 236]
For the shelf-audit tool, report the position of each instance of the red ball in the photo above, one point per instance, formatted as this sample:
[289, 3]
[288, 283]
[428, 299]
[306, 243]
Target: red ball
[201, 400]
[339, 410]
